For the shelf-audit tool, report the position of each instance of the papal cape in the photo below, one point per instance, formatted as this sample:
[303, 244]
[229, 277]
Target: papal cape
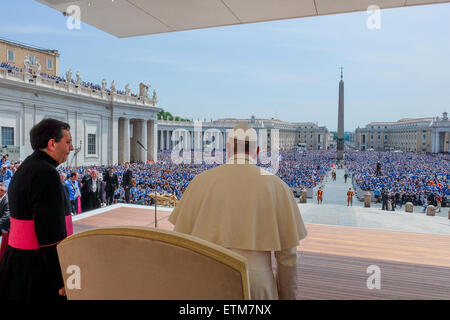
[240, 206]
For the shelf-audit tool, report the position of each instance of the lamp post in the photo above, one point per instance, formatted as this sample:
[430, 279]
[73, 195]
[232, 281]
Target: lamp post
[75, 153]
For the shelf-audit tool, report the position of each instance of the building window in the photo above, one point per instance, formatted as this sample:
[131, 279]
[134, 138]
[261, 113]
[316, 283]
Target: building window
[7, 136]
[92, 146]
[11, 56]
[49, 64]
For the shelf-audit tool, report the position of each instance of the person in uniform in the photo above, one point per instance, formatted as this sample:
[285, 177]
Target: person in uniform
[249, 211]
[439, 202]
[319, 195]
[350, 195]
[30, 268]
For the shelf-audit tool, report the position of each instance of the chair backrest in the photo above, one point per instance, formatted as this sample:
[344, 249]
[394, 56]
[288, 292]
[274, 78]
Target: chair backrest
[146, 263]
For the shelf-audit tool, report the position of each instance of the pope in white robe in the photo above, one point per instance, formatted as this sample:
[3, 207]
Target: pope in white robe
[236, 206]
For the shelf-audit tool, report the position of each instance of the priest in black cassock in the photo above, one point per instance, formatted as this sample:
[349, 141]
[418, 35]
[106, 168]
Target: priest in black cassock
[30, 267]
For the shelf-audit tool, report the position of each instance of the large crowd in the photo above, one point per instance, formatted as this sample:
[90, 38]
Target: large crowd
[7, 66]
[411, 177]
[298, 169]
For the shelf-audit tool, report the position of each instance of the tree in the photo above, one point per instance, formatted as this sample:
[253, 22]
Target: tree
[161, 114]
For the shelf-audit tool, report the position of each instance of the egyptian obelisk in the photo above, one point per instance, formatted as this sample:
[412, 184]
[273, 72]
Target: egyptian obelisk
[340, 133]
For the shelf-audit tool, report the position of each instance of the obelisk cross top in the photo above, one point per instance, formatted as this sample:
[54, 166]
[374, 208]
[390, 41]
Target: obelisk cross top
[342, 70]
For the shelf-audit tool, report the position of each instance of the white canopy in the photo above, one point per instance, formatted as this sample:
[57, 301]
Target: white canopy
[128, 18]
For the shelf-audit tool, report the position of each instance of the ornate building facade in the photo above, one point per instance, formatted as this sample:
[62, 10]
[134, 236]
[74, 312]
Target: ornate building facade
[289, 134]
[106, 127]
[418, 135]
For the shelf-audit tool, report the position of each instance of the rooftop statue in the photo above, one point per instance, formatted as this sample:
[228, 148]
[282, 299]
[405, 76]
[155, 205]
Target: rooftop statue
[104, 84]
[38, 67]
[127, 89]
[78, 81]
[155, 97]
[27, 64]
[143, 89]
[69, 75]
[113, 87]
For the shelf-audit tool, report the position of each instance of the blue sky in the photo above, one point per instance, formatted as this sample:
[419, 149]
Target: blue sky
[287, 69]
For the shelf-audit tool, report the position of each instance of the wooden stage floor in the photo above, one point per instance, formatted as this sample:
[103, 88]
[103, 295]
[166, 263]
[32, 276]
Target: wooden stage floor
[333, 260]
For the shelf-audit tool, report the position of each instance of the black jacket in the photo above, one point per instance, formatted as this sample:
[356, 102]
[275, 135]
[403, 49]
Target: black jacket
[93, 199]
[112, 182]
[67, 207]
[4, 215]
[384, 195]
[35, 194]
[127, 177]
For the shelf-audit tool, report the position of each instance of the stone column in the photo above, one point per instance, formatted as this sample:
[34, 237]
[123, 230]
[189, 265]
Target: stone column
[126, 140]
[142, 137]
[120, 141]
[161, 141]
[203, 142]
[434, 141]
[152, 140]
[196, 139]
[167, 139]
[114, 146]
[134, 136]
